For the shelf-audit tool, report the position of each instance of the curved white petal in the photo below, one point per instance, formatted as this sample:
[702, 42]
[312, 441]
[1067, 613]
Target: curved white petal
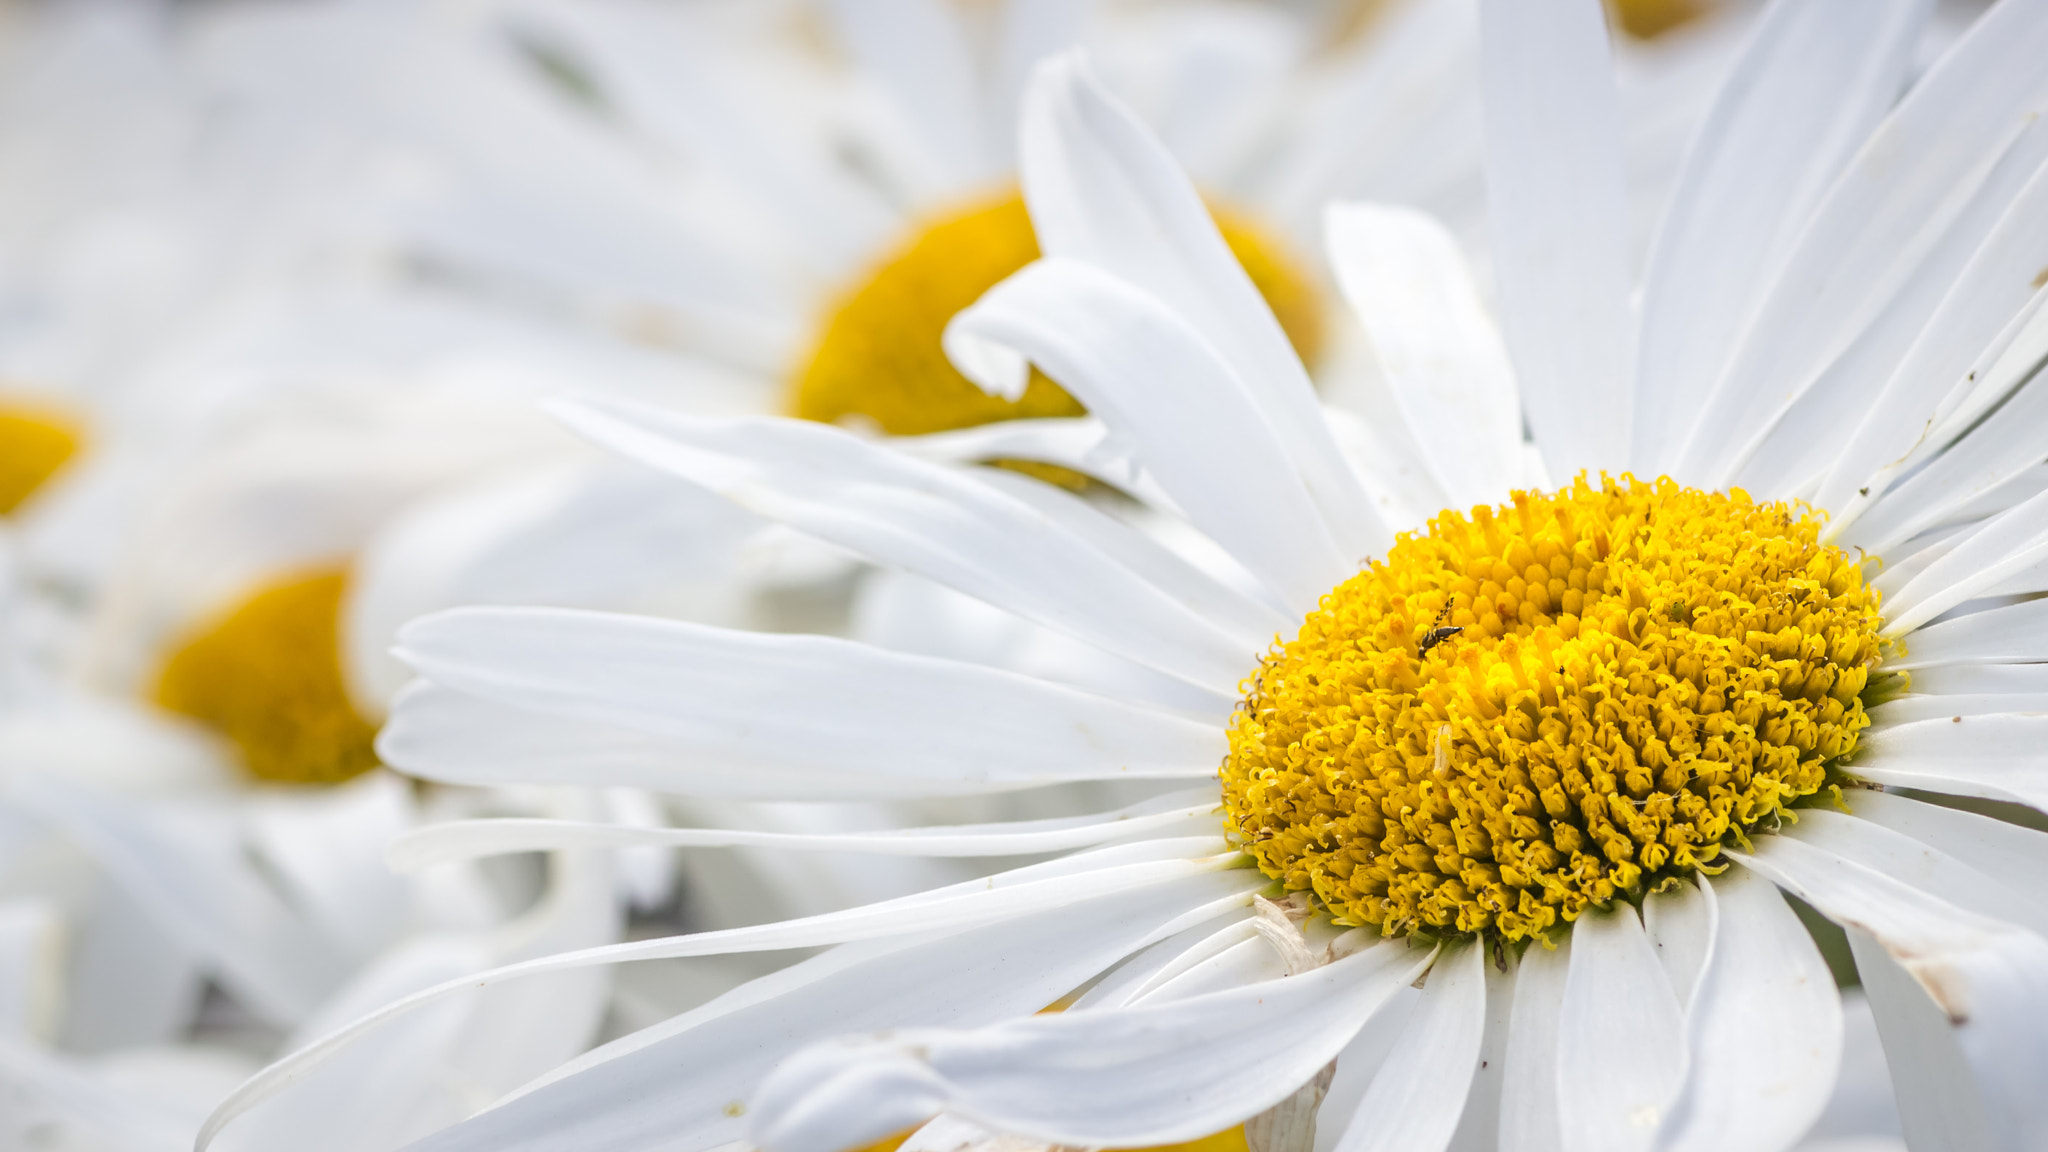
[691, 1081]
[1996, 756]
[1126, 1076]
[1763, 1030]
[1479, 1125]
[1881, 845]
[1080, 443]
[1990, 979]
[1159, 385]
[1405, 279]
[1940, 1104]
[750, 701]
[1529, 1083]
[1620, 1036]
[1060, 884]
[2016, 857]
[1104, 191]
[927, 518]
[1812, 81]
[1558, 208]
[1414, 1103]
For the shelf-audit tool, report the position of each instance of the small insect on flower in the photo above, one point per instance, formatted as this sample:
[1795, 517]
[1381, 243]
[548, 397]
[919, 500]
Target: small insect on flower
[1438, 632]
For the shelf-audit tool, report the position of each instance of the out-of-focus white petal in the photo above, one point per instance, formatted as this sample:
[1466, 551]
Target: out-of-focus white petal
[1558, 212]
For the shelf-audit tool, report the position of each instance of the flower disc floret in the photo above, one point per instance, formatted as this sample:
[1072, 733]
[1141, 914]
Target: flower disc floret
[1538, 708]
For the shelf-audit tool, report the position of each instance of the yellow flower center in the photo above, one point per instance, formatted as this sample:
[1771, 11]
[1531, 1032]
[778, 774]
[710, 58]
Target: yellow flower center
[266, 674]
[1547, 705]
[34, 443]
[1649, 19]
[879, 358]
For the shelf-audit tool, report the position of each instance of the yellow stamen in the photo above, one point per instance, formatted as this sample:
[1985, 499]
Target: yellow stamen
[1543, 706]
[34, 444]
[879, 359]
[267, 675]
[1649, 19]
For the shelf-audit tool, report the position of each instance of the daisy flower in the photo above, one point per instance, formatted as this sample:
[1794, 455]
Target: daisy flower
[1489, 824]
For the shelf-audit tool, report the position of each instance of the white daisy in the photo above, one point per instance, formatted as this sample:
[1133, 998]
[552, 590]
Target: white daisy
[1556, 758]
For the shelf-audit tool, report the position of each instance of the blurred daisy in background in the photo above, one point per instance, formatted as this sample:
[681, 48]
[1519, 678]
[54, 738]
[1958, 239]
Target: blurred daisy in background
[1558, 755]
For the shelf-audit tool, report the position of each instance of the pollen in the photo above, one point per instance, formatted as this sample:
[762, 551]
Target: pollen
[34, 444]
[1551, 704]
[267, 675]
[878, 358]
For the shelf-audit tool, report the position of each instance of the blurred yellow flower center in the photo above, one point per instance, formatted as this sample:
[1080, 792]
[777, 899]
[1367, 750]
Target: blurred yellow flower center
[879, 359]
[1649, 19]
[1550, 704]
[34, 443]
[266, 674]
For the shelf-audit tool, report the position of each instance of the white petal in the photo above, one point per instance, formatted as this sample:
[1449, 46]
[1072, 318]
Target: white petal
[1915, 707]
[1680, 924]
[1161, 387]
[468, 839]
[1529, 1082]
[1993, 879]
[572, 537]
[2009, 542]
[1808, 87]
[1558, 211]
[186, 869]
[692, 1080]
[1479, 1126]
[751, 701]
[1102, 190]
[1763, 1030]
[1978, 314]
[327, 850]
[1621, 1038]
[918, 52]
[1404, 277]
[1997, 757]
[1080, 443]
[1991, 846]
[1416, 1100]
[1126, 1076]
[1990, 979]
[1939, 1102]
[2016, 632]
[1060, 885]
[1982, 679]
[930, 519]
[1891, 210]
